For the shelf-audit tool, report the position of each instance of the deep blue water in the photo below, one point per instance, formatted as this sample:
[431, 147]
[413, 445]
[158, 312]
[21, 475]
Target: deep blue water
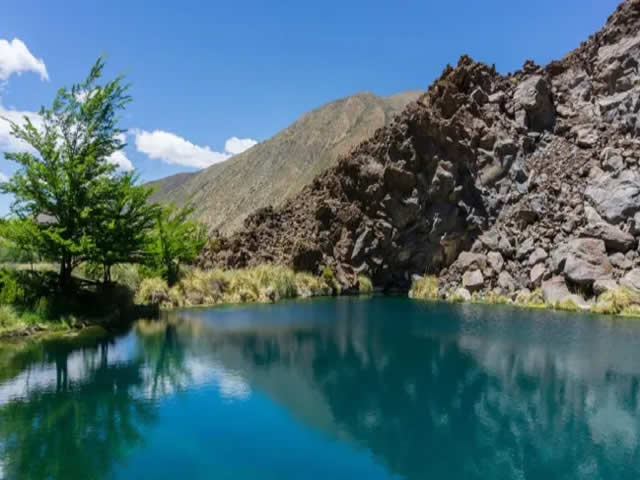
[341, 388]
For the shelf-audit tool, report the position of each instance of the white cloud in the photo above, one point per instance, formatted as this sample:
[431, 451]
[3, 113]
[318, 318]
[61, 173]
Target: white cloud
[8, 143]
[237, 145]
[172, 149]
[3, 177]
[120, 160]
[16, 58]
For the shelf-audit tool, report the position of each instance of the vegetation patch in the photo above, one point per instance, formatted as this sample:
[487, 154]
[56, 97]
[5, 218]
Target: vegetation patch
[264, 283]
[568, 305]
[424, 288]
[365, 285]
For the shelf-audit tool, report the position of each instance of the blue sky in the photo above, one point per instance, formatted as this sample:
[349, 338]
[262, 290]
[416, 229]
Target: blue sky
[205, 72]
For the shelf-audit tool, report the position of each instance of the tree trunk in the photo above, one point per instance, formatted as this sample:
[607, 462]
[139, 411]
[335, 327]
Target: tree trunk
[65, 272]
[106, 277]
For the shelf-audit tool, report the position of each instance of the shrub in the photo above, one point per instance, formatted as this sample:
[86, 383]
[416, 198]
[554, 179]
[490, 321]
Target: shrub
[12, 292]
[615, 300]
[8, 316]
[531, 299]
[364, 285]
[263, 283]
[494, 298]
[568, 304]
[425, 288]
[631, 311]
[152, 291]
[308, 285]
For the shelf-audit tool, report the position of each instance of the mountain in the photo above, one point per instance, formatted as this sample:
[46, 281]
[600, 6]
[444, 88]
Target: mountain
[272, 171]
[493, 182]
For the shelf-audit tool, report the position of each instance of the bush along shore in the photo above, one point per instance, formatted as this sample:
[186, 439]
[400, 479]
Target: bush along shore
[264, 283]
[31, 301]
[608, 297]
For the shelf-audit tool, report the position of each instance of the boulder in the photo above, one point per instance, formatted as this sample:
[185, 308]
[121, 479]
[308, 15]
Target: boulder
[604, 285]
[615, 197]
[462, 294]
[555, 290]
[525, 248]
[620, 261]
[466, 260]
[490, 240]
[473, 280]
[632, 280]
[495, 261]
[537, 273]
[586, 137]
[587, 261]
[533, 96]
[506, 281]
[613, 237]
[538, 255]
[558, 257]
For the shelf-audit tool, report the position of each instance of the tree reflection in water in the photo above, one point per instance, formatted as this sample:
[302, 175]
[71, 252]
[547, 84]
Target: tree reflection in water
[431, 391]
[77, 413]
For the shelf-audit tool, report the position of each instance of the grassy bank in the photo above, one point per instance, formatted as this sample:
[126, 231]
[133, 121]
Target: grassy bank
[264, 283]
[620, 301]
[31, 302]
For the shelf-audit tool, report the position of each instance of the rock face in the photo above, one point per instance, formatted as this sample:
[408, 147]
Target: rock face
[555, 290]
[587, 261]
[483, 180]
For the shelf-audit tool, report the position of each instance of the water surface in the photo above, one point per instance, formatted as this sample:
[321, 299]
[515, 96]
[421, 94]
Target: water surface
[347, 388]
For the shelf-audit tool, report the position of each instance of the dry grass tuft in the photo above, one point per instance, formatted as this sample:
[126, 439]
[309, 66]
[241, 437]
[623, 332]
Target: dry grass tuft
[425, 288]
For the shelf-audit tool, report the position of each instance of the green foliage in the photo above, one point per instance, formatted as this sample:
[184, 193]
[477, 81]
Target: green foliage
[12, 291]
[365, 285]
[70, 205]
[36, 299]
[175, 240]
[327, 274]
[122, 225]
[425, 288]
[329, 278]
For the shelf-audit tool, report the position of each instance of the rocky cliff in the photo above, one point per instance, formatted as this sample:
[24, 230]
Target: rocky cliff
[490, 181]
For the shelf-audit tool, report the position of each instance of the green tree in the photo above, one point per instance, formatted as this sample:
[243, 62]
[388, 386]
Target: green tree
[122, 224]
[67, 194]
[176, 239]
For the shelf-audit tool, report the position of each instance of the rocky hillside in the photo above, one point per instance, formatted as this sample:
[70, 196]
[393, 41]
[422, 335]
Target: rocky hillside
[493, 182]
[274, 170]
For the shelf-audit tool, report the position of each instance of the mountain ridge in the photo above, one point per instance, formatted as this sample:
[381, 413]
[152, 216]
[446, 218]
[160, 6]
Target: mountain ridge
[271, 171]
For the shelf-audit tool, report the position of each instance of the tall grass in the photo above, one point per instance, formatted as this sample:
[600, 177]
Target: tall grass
[264, 283]
[425, 288]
